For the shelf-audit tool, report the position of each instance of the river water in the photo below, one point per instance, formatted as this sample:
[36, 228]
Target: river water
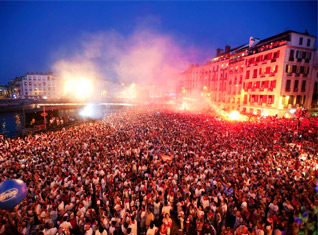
[13, 123]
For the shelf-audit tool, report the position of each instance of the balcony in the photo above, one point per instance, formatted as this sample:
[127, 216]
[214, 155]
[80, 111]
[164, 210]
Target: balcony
[289, 74]
[297, 74]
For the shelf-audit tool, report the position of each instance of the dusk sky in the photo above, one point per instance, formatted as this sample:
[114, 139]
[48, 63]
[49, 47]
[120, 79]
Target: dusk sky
[35, 35]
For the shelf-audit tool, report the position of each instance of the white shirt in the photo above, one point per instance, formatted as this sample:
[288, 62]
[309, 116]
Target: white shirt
[151, 231]
[133, 228]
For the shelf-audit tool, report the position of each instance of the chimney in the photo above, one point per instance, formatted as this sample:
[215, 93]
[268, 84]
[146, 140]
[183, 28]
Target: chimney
[227, 49]
[253, 41]
[219, 51]
[250, 44]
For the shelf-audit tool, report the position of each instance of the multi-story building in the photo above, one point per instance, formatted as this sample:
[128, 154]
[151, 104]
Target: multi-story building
[15, 87]
[36, 85]
[3, 91]
[107, 90]
[265, 77]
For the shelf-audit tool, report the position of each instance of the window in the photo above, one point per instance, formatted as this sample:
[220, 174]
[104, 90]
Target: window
[276, 55]
[296, 85]
[294, 69]
[302, 69]
[303, 86]
[306, 70]
[288, 82]
[291, 55]
[308, 57]
[300, 41]
[298, 99]
[273, 84]
[270, 99]
[255, 73]
[291, 99]
[308, 42]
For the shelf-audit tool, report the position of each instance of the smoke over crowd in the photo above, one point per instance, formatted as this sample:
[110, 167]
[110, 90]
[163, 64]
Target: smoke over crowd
[143, 57]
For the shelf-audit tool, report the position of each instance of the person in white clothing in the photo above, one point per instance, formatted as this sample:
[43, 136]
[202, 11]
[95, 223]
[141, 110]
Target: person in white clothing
[152, 230]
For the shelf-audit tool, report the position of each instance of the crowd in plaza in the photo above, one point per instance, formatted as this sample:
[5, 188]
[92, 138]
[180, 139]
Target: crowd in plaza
[162, 172]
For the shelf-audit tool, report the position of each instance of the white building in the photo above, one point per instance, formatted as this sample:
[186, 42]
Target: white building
[40, 85]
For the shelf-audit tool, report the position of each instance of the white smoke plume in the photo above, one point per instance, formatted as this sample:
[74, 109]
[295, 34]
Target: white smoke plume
[145, 57]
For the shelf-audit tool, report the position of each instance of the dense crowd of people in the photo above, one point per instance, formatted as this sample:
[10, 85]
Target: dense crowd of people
[161, 172]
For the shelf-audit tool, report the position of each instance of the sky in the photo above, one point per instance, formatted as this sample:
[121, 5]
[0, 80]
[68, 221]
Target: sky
[40, 36]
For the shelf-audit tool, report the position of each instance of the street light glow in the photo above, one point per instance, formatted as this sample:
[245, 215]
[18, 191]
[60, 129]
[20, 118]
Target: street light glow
[83, 88]
[78, 88]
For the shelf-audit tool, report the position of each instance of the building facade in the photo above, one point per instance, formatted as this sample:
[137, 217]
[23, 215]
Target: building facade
[35, 86]
[4, 92]
[264, 77]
